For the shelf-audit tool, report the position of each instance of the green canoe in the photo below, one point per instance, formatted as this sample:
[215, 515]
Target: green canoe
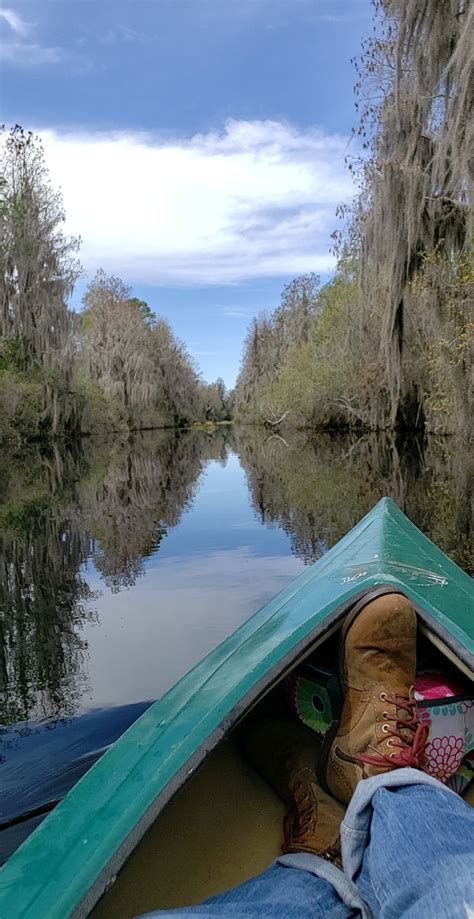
[65, 866]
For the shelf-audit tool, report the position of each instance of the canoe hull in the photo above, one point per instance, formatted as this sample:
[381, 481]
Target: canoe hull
[104, 816]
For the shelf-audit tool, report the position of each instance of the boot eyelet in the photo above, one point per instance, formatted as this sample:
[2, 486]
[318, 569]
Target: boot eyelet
[383, 697]
[385, 728]
[385, 715]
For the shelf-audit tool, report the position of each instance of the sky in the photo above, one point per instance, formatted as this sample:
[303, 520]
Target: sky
[199, 145]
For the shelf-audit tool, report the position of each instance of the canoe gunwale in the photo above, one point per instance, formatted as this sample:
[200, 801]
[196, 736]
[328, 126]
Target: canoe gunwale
[451, 648]
[442, 639]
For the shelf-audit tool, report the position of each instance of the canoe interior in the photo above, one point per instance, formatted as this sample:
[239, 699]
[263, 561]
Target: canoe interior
[221, 828]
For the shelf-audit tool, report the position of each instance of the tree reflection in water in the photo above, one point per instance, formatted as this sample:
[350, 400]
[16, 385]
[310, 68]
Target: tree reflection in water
[113, 502]
[140, 492]
[316, 488]
[42, 595]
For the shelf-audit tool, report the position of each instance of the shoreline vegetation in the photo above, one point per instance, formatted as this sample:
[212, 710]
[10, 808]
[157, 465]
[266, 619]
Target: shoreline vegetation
[114, 367]
[385, 345]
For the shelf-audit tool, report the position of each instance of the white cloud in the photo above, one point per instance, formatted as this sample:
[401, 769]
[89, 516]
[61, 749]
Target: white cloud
[120, 33]
[236, 312]
[256, 200]
[17, 51]
[16, 23]
[28, 55]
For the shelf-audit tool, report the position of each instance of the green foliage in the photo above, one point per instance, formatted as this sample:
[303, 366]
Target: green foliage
[10, 355]
[134, 358]
[388, 343]
[21, 401]
[415, 202]
[319, 377]
[143, 310]
[330, 374]
[99, 413]
[114, 367]
[215, 401]
[443, 297]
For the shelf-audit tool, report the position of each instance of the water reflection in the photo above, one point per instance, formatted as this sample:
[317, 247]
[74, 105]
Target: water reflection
[123, 563]
[137, 494]
[42, 596]
[111, 503]
[317, 489]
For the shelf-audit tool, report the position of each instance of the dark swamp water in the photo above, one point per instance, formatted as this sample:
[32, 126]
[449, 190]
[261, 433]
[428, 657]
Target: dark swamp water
[123, 563]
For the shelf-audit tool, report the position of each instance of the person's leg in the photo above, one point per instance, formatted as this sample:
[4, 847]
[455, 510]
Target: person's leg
[410, 847]
[278, 891]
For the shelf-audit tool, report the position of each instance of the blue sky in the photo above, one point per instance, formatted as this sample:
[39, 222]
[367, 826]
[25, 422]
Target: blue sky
[199, 144]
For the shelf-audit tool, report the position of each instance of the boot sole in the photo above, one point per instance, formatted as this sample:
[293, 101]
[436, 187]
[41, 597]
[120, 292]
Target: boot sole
[335, 685]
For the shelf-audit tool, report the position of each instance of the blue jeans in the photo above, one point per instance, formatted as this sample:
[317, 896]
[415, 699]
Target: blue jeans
[407, 850]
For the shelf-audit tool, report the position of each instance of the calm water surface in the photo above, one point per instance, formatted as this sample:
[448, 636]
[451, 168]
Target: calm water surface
[123, 563]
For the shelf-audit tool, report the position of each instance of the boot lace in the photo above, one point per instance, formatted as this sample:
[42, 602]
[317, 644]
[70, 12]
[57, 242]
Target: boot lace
[406, 735]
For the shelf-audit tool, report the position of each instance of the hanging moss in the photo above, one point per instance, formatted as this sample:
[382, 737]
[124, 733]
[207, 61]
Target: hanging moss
[417, 184]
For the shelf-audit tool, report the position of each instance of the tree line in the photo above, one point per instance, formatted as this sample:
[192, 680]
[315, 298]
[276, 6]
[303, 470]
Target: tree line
[113, 366]
[387, 343]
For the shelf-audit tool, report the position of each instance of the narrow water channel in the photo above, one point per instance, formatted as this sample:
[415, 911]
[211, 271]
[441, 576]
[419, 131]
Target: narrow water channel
[123, 563]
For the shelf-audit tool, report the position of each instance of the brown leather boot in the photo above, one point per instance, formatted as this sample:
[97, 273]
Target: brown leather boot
[379, 728]
[286, 753]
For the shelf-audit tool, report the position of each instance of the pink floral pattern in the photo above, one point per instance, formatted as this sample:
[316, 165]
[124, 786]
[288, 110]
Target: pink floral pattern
[424, 713]
[444, 755]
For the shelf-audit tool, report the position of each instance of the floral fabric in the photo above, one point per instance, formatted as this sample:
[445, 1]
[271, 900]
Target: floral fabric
[450, 750]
